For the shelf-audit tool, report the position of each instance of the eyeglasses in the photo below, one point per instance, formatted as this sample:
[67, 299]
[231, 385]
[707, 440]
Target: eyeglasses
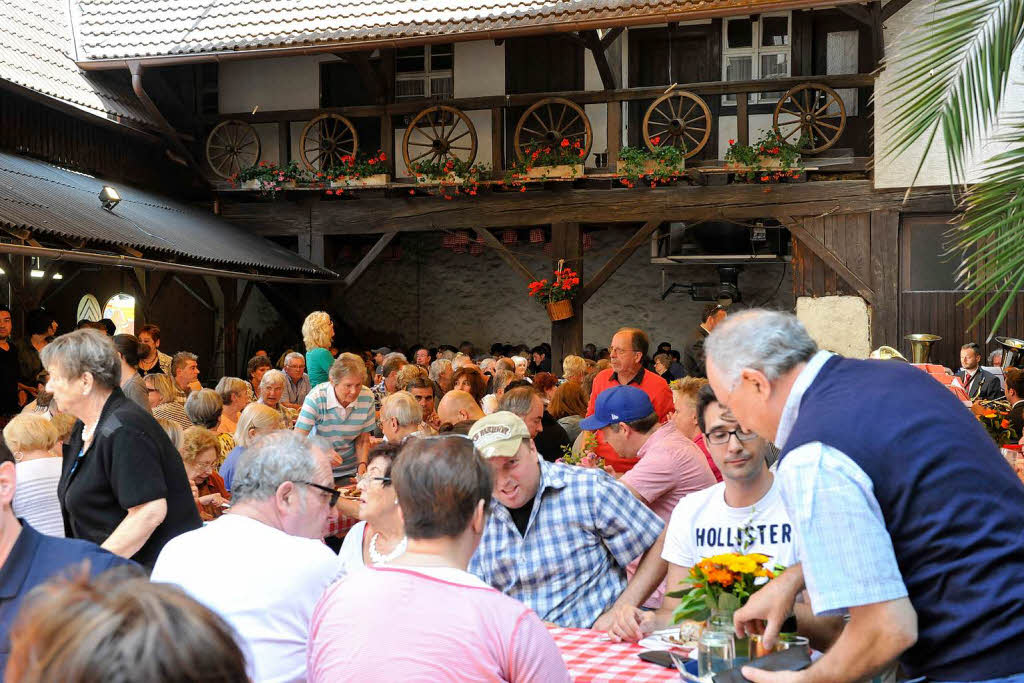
[335, 493]
[360, 478]
[721, 436]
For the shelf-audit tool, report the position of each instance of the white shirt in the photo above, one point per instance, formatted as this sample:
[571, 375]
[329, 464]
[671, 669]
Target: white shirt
[703, 524]
[262, 581]
[35, 496]
[351, 553]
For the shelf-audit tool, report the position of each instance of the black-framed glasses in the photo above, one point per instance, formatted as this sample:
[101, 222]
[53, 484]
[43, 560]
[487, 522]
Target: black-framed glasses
[335, 493]
[360, 478]
[721, 436]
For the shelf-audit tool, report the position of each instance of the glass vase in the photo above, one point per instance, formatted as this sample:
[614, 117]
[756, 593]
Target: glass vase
[720, 620]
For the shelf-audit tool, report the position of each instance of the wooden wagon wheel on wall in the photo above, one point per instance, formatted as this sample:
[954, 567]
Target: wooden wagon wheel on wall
[438, 133]
[678, 118]
[550, 121]
[326, 139]
[806, 109]
[231, 146]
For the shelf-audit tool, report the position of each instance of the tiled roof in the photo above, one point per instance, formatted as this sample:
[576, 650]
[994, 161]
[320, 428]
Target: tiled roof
[49, 200]
[37, 53]
[118, 29]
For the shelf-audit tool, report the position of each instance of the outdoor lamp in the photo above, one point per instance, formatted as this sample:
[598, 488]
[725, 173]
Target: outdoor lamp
[109, 197]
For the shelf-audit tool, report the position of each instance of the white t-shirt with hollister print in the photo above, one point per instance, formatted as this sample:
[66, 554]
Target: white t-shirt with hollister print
[703, 525]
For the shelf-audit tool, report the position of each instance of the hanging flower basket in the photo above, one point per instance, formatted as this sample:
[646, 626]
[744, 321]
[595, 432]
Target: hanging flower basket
[560, 310]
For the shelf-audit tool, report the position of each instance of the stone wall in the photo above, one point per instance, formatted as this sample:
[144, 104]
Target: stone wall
[435, 296]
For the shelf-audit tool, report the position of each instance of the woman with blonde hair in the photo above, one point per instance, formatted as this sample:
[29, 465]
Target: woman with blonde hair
[569, 406]
[574, 368]
[160, 389]
[256, 420]
[234, 395]
[684, 399]
[317, 334]
[199, 450]
[34, 442]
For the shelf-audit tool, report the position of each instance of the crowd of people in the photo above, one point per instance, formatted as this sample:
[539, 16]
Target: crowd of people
[463, 502]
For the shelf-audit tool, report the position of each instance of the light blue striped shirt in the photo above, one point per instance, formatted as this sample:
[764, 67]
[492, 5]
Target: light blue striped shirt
[323, 415]
[842, 542]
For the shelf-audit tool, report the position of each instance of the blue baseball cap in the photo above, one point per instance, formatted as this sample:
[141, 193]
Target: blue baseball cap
[618, 404]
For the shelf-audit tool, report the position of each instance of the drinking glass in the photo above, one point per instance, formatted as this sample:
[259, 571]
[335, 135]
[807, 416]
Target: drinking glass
[785, 641]
[716, 652]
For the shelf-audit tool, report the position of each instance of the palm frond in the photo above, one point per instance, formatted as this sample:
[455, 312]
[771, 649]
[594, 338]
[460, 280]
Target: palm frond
[954, 70]
[990, 234]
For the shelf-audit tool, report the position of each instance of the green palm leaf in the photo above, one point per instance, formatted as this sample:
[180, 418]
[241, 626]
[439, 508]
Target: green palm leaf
[954, 72]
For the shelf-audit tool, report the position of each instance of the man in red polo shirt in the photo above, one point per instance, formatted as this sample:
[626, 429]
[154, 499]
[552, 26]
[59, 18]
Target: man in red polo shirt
[628, 351]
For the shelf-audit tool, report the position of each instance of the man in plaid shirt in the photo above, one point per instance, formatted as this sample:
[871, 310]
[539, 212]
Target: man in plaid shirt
[559, 537]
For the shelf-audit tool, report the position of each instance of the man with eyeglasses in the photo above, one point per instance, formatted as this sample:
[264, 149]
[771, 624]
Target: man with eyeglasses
[262, 565]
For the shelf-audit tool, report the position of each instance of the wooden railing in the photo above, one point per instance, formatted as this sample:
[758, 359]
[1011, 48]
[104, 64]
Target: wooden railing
[498, 105]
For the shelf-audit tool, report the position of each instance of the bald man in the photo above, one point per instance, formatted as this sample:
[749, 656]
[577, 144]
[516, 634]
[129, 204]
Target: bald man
[457, 406]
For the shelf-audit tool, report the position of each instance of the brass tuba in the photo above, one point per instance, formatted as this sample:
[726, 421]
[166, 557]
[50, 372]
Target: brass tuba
[921, 346]
[1013, 352]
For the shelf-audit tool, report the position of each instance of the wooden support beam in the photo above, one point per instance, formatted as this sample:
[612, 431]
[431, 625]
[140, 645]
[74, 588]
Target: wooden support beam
[892, 8]
[611, 36]
[885, 274]
[567, 335]
[742, 120]
[387, 142]
[492, 242]
[593, 44]
[640, 237]
[284, 143]
[614, 138]
[497, 142]
[796, 227]
[370, 257]
[129, 251]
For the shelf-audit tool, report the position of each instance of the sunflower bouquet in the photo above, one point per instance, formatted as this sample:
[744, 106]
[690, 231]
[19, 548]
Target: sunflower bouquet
[721, 583]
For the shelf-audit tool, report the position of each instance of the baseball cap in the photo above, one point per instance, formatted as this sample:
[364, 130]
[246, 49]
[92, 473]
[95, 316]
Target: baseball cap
[499, 434]
[618, 404]
[382, 350]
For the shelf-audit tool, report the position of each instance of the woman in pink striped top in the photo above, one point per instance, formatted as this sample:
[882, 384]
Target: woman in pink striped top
[424, 617]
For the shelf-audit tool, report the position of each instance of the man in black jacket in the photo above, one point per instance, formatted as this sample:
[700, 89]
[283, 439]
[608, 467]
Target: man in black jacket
[977, 382]
[693, 358]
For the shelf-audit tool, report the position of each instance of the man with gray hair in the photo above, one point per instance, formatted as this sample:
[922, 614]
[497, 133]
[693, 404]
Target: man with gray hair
[440, 373]
[185, 373]
[297, 385]
[548, 436]
[400, 417]
[262, 566]
[905, 514]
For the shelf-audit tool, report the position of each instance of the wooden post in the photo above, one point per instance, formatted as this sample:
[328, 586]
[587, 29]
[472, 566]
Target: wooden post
[742, 121]
[497, 143]
[284, 143]
[614, 133]
[387, 142]
[885, 274]
[567, 335]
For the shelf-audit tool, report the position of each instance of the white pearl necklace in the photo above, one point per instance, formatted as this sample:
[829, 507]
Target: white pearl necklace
[377, 558]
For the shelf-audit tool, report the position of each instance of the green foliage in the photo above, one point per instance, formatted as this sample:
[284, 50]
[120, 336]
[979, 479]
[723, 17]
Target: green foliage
[542, 155]
[660, 165]
[270, 176]
[454, 176]
[757, 162]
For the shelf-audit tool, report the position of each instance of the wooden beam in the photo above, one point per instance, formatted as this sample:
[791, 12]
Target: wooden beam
[885, 277]
[640, 237]
[507, 256]
[892, 8]
[593, 44]
[796, 227]
[614, 133]
[125, 249]
[858, 12]
[284, 142]
[742, 121]
[370, 257]
[567, 335]
[611, 36]
[514, 209]
[497, 142]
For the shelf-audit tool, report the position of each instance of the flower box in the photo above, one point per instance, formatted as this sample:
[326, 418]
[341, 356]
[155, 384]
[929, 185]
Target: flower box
[561, 171]
[447, 180]
[650, 167]
[764, 163]
[376, 180]
[255, 184]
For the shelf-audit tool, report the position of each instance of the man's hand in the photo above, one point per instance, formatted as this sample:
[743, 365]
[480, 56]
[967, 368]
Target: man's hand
[625, 623]
[760, 676]
[772, 604]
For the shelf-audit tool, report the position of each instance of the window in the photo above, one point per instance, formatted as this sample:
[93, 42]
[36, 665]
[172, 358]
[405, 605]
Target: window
[426, 71]
[756, 49]
[842, 58]
[927, 264]
[121, 309]
[88, 309]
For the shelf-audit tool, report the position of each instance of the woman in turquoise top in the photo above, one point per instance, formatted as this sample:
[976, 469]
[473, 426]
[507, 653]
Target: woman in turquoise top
[317, 333]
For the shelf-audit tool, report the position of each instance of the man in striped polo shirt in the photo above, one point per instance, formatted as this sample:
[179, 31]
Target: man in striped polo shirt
[341, 410]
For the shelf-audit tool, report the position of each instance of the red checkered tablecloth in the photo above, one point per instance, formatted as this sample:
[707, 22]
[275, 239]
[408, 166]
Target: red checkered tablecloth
[590, 656]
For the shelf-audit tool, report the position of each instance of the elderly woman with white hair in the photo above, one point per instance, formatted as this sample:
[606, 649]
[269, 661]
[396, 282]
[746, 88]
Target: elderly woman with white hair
[400, 417]
[34, 442]
[441, 371]
[255, 421]
[234, 395]
[342, 411]
[271, 389]
[123, 484]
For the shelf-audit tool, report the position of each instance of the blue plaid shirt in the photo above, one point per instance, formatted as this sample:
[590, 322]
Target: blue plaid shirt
[584, 529]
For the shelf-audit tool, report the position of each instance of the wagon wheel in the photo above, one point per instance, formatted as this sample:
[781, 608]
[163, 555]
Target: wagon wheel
[678, 118]
[550, 121]
[231, 146]
[804, 109]
[326, 139]
[438, 133]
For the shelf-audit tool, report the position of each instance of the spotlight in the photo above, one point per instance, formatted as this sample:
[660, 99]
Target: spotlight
[109, 198]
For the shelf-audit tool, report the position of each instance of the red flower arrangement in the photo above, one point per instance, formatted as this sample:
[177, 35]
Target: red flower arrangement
[565, 286]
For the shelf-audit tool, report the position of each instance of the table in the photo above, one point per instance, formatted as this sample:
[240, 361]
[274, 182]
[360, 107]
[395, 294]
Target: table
[590, 656]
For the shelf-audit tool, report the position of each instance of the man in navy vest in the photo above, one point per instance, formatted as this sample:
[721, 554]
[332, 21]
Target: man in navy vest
[906, 515]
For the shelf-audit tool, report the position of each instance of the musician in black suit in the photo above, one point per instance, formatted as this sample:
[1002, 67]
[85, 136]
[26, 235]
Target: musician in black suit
[1015, 396]
[693, 358]
[977, 382]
